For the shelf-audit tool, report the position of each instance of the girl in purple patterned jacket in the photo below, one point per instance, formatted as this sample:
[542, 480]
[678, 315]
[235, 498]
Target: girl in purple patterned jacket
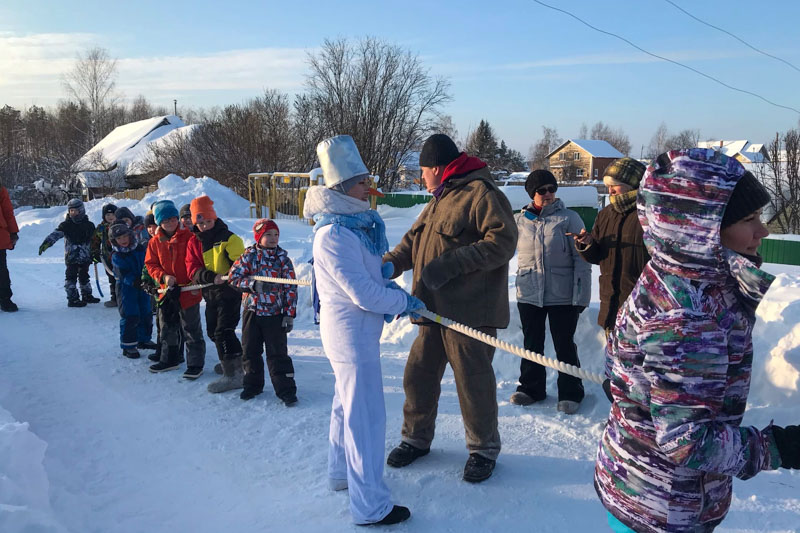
[269, 311]
[682, 353]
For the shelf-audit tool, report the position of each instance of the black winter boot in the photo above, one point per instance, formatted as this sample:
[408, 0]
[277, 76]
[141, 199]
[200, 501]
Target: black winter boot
[405, 454]
[396, 515]
[249, 394]
[76, 303]
[478, 468]
[8, 306]
[89, 299]
[131, 353]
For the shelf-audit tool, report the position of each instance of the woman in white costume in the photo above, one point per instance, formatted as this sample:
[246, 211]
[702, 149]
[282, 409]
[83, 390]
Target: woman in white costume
[349, 242]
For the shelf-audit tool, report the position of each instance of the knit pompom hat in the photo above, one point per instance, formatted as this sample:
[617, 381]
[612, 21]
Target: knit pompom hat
[202, 208]
[624, 171]
[748, 196]
[163, 210]
[262, 226]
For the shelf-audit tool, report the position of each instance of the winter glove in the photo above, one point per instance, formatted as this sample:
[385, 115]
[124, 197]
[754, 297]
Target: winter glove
[788, 442]
[206, 276]
[287, 324]
[95, 259]
[412, 304]
[391, 285]
[14, 239]
[260, 286]
[607, 390]
[387, 269]
[43, 247]
[436, 273]
[581, 308]
[137, 284]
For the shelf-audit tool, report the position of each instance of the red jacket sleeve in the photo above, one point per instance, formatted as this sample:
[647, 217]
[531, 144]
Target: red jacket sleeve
[194, 257]
[152, 261]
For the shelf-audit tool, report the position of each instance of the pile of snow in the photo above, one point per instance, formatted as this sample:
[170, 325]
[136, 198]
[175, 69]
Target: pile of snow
[24, 487]
[581, 196]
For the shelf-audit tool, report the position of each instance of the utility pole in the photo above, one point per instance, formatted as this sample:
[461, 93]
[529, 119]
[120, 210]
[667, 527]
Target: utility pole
[175, 103]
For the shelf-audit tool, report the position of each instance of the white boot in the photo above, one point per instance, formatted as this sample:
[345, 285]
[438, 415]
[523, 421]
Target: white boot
[231, 377]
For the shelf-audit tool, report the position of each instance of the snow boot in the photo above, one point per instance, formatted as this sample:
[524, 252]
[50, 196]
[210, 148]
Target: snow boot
[173, 362]
[396, 515]
[568, 407]
[155, 357]
[289, 400]
[405, 454]
[218, 369]
[147, 345]
[231, 378]
[478, 468]
[111, 303]
[76, 303]
[521, 398]
[193, 372]
[8, 306]
[249, 394]
[131, 353]
[89, 299]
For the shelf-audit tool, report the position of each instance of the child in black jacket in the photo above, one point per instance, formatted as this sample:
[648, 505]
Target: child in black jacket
[77, 231]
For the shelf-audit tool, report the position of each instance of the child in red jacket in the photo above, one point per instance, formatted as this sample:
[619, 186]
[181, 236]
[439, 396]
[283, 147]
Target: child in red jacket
[180, 312]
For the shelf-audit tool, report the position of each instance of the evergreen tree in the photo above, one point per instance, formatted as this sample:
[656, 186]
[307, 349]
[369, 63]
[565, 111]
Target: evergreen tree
[482, 144]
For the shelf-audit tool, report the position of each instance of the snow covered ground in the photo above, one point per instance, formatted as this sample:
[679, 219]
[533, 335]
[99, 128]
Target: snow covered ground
[93, 442]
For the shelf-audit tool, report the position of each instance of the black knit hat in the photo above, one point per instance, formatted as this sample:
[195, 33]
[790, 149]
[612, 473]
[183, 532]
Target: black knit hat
[539, 178]
[150, 220]
[749, 195]
[124, 212]
[109, 208]
[186, 210]
[439, 149]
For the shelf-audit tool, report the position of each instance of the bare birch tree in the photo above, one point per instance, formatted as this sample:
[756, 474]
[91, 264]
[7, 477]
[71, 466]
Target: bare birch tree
[91, 82]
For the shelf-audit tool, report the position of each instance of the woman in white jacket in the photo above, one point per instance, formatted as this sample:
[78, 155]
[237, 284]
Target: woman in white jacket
[349, 242]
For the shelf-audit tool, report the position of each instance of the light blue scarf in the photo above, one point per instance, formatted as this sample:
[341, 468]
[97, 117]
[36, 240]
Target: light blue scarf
[368, 225]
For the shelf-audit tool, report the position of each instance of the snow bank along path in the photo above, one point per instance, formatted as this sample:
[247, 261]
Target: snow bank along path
[92, 442]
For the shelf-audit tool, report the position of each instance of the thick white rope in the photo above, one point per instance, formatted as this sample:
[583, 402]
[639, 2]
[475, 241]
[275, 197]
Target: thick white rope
[571, 370]
[266, 279]
[516, 350]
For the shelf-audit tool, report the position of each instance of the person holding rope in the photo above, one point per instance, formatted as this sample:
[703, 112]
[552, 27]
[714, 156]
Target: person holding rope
[269, 311]
[208, 259]
[682, 353]
[349, 241]
[459, 249]
[553, 283]
[180, 313]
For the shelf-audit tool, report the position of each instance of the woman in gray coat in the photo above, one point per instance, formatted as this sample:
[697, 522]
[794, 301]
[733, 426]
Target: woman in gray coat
[552, 281]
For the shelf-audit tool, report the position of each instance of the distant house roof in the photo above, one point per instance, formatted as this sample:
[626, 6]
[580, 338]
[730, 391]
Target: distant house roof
[126, 148]
[749, 152]
[594, 147]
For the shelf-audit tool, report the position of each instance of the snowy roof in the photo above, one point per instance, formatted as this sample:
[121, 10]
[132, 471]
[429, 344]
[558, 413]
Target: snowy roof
[125, 144]
[753, 152]
[594, 147]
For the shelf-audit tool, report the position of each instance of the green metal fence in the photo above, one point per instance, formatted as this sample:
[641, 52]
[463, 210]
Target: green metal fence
[780, 252]
[404, 200]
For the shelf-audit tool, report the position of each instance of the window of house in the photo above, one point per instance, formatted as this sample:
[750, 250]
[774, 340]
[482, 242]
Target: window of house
[576, 156]
[596, 172]
[561, 156]
[579, 172]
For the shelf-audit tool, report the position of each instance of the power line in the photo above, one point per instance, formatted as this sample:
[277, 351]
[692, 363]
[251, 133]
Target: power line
[708, 76]
[732, 35]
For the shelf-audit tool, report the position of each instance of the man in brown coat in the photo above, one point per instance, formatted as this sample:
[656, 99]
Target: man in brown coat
[615, 242]
[459, 249]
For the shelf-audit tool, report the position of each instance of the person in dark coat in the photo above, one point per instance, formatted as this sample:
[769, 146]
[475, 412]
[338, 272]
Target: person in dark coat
[101, 247]
[458, 248]
[77, 231]
[8, 240]
[136, 316]
[616, 242]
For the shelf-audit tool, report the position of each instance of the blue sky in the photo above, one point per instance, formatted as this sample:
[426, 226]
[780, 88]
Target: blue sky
[514, 63]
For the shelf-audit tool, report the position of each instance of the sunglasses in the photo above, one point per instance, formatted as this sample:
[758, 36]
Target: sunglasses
[547, 189]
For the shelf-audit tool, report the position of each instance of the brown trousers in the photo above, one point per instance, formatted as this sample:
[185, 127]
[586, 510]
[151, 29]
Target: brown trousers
[471, 361]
